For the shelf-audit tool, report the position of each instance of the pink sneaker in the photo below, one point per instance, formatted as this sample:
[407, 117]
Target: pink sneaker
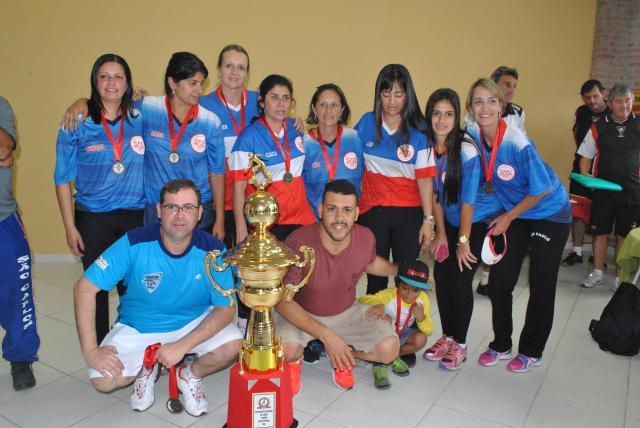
[490, 358]
[438, 349]
[523, 364]
[455, 356]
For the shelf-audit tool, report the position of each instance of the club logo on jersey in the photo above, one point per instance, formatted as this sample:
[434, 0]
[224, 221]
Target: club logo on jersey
[299, 144]
[198, 143]
[315, 165]
[405, 152]
[350, 160]
[369, 144]
[621, 129]
[102, 263]
[94, 148]
[137, 144]
[224, 127]
[506, 172]
[152, 281]
[157, 134]
[444, 176]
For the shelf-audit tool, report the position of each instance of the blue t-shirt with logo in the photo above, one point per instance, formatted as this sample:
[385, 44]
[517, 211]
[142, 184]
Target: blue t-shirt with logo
[164, 292]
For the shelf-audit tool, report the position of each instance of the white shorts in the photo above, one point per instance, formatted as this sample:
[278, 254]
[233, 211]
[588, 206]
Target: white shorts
[131, 344]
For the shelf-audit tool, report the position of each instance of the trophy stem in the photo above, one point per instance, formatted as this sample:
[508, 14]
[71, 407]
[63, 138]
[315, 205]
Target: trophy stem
[262, 352]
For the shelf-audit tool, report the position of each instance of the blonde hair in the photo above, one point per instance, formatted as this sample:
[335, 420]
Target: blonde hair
[490, 86]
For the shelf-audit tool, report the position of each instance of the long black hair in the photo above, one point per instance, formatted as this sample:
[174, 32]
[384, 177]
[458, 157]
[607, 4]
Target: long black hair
[411, 115]
[267, 84]
[453, 142]
[95, 101]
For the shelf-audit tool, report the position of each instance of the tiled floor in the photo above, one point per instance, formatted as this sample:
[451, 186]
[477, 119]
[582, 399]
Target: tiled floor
[578, 385]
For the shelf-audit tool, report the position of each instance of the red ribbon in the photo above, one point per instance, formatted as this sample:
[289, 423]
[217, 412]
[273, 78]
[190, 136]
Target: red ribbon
[286, 155]
[399, 312]
[150, 360]
[497, 139]
[117, 147]
[243, 100]
[331, 168]
[191, 114]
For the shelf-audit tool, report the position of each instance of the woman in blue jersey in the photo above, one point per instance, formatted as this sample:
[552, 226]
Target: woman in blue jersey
[235, 106]
[184, 140]
[461, 210]
[536, 220]
[332, 150]
[396, 202]
[274, 137]
[103, 157]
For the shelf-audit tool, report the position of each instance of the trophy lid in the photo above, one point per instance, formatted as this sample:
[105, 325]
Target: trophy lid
[263, 251]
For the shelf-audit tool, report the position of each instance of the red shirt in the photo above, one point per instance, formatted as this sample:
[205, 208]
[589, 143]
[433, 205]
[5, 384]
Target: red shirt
[332, 287]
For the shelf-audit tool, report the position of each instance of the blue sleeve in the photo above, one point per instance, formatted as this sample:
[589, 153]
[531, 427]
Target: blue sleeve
[66, 161]
[470, 180]
[225, 280]
[215, 150]
[535, 171]
[112, 265]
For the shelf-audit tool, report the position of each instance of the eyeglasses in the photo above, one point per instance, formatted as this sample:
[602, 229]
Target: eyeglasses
[175, 209]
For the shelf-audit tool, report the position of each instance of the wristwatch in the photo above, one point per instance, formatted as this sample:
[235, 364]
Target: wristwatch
[463, 239]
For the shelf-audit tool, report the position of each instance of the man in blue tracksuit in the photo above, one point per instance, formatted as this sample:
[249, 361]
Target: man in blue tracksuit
[17, 310]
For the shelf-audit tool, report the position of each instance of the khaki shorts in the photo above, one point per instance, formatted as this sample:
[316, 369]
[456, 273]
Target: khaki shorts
[352, 325]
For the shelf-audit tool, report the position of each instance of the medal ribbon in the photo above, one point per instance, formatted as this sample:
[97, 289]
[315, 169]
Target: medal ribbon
[148, 362]
[331, 167]
[497, 139]
[191, 114]
[398, 313]
[243, 100]
[117, 147]
[440, 169]
[286, 155]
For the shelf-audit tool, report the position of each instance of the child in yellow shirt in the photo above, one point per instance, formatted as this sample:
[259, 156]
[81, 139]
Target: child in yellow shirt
[406, 307]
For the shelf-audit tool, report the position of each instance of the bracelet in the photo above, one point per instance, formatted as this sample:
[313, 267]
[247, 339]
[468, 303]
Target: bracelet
[428, 219]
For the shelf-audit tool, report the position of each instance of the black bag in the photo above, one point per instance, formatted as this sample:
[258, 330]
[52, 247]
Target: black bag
[618, 330]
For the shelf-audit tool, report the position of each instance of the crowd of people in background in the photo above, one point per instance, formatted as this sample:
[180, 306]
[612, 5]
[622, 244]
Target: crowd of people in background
[159, 180]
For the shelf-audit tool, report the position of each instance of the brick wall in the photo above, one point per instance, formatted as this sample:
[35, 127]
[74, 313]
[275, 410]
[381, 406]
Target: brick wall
[616, 45]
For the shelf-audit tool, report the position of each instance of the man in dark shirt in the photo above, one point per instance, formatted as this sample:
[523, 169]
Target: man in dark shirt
[611, 150]
[594, 109]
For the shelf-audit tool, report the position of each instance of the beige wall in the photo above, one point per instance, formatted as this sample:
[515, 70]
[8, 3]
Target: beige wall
[48, 48]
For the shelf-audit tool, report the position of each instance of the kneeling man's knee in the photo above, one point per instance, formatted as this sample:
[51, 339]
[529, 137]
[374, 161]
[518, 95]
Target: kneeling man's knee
[389, 348]
[229, 351]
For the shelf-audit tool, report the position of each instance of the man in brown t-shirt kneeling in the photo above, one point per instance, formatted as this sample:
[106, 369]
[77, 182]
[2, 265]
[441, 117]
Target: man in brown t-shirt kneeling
[326, 308]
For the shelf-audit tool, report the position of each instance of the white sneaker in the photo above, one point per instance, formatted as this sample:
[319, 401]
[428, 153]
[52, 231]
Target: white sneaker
[143, 387]
[615, 284]
[593, 280]
[195, 403]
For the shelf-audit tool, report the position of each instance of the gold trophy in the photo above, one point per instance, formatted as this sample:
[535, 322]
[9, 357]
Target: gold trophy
[262, 262]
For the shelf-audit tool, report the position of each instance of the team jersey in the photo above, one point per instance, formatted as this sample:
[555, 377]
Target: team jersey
[615, 150]
[164, 292]
[513, 115]
[86, 157]
[583, 119]
[391, 169]
[213, 102]
[291, 197]
[519, 172]
[471, 193]
[389, 298]
[315, 172]
[201, 149]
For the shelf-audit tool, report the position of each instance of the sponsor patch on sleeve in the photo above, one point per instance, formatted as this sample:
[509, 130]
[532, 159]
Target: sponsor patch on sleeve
[102, 263]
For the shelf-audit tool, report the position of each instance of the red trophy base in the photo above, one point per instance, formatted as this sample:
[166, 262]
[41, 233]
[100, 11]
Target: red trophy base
[260, 399]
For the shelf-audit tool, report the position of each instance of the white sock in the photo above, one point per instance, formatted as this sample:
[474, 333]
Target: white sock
[597, 272]
[577, 250]
[484, 279]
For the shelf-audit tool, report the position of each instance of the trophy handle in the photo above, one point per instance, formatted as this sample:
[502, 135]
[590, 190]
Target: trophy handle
[257, 165]
[211, 259]
[309, 259]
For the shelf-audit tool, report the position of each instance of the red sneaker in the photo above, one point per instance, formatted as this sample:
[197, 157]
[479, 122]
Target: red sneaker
[343, 379]
[295, 369]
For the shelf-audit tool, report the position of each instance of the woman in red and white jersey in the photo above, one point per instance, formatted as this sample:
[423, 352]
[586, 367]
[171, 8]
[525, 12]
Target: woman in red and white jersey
[397, 189]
